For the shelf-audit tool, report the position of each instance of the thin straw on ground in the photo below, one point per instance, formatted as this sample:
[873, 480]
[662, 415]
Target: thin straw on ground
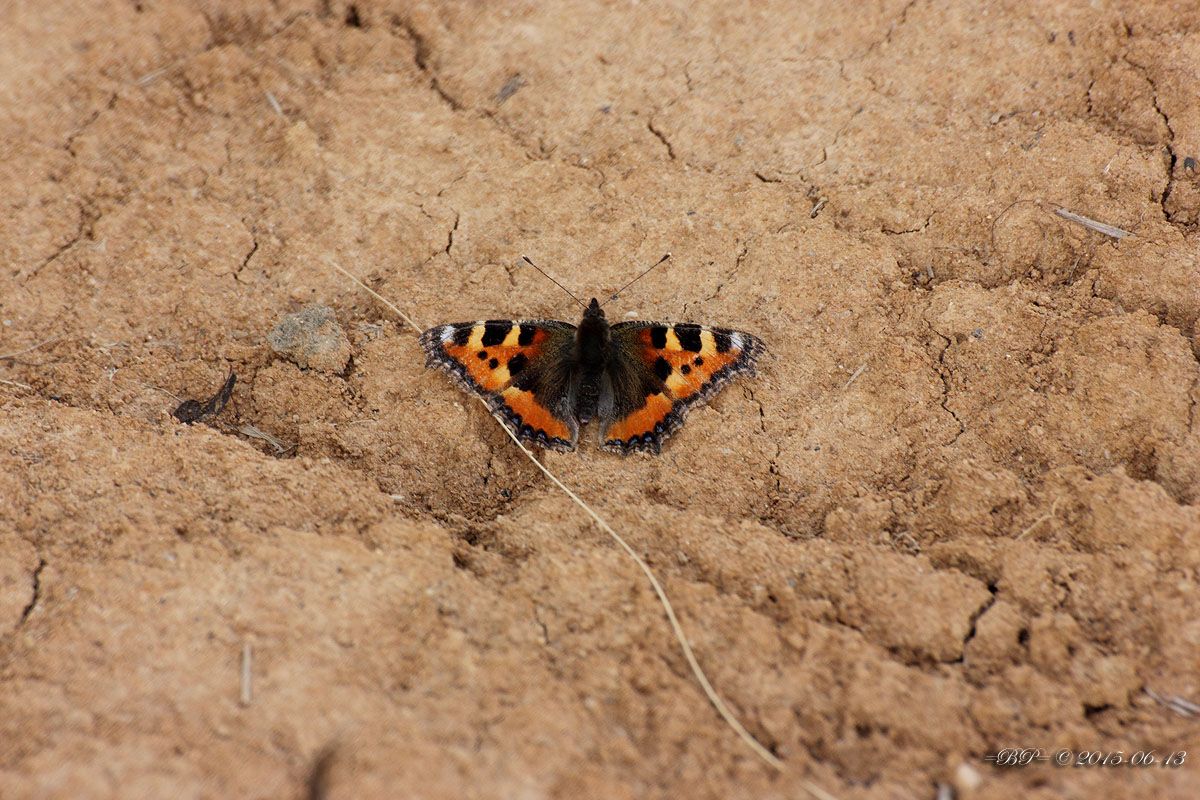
[1182, 707]
[1045, 517]
[254, 433]
[676, 628]
[30, 349]
[1088, 222]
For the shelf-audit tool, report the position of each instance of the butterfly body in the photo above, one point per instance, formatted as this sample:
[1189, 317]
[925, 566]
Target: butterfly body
[593, 339]
[547, 379]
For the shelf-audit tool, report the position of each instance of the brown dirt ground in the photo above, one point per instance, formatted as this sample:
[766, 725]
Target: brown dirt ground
[989, 538]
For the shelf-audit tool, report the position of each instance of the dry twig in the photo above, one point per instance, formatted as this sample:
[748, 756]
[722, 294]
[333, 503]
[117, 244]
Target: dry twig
[1091, 224]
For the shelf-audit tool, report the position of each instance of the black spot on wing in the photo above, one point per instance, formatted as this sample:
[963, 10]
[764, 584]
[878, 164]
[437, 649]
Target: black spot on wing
[462, 335]
[482, 355]
[662, 368]
[723, 341]
[527, 333]
[689, 337]
[686, 369]
[517, 362]
[495, 362]
[495, 331]
[527, 380]
[658, 336]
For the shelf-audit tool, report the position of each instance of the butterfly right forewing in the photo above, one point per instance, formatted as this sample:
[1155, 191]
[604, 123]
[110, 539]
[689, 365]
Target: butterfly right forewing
[659, 371]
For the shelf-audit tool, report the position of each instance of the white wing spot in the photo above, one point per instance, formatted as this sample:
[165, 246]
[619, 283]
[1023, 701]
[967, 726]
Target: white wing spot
[446, 332]
[735, 339]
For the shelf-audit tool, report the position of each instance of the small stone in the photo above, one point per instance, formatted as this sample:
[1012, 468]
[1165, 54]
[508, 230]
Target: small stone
[967, 780]
[312, 339]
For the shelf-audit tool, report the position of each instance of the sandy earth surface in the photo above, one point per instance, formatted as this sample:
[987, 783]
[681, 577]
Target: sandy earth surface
[957, 511]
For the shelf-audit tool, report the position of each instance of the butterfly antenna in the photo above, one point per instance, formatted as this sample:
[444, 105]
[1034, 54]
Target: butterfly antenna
[556, 283]
[638, 278]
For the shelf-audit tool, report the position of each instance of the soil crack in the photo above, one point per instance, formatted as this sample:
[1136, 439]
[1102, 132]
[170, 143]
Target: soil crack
[87, 221]
[662, 138]
[944, 375]
[979, 612]
[889, 232]
[893, 26]
[36, 593]
[237, 276]
[421, 54]
[773, 461]
[69, 145]
[1165, 195]
[450, 235]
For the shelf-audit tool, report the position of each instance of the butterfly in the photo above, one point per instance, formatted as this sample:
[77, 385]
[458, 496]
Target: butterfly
[546, 379]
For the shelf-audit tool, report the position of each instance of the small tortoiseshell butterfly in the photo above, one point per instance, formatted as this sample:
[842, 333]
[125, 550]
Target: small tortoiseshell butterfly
[547, 378]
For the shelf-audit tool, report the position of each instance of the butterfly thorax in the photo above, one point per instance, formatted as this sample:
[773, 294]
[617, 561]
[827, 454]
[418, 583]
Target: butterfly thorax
[591, 351]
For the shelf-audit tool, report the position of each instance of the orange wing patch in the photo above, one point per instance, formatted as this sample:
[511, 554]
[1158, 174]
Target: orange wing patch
[490, 353]
[688, 357]
[641, 422]
[526, 410]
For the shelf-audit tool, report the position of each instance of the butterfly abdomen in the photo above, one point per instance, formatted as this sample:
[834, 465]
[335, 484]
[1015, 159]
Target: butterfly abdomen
[592, 342]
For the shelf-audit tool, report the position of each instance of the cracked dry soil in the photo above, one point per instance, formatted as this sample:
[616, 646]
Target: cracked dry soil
[956, 511]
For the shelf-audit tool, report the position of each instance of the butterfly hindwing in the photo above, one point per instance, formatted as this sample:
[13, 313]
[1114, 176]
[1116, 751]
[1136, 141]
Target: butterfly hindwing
[658, 371]
[517, 367]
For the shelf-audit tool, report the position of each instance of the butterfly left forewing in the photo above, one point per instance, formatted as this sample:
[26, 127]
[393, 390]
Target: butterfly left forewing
[659, 371]
[516, 367]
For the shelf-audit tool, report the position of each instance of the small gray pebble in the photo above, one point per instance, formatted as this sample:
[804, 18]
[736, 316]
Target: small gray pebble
[312, 339]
